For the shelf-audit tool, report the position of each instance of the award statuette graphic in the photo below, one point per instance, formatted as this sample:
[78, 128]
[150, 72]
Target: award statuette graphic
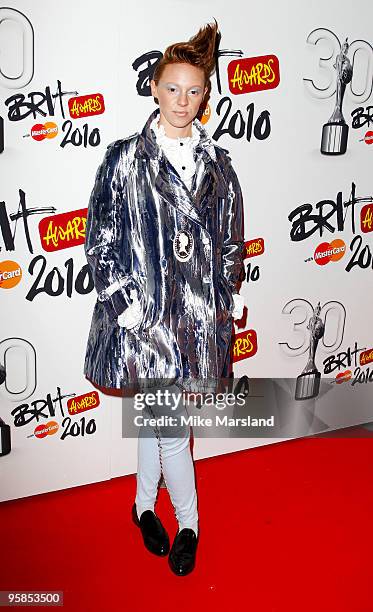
[335, 132]
[308, 382]
[5, 444]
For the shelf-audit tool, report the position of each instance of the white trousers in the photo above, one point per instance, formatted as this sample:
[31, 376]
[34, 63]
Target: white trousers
[165, 449]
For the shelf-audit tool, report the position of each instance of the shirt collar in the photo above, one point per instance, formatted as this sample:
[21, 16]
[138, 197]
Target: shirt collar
[174, 143]
[147, 144]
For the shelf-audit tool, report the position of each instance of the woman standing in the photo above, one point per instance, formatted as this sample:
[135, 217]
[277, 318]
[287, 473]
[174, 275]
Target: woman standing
[164, 241]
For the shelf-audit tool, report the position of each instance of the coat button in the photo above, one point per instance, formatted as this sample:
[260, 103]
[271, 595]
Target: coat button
[206, 279]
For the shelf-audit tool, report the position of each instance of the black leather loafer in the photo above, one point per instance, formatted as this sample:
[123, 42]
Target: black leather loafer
[183, 552]
[154, 534]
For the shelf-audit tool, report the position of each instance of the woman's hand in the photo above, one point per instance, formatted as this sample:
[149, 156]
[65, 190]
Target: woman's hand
[133, 313]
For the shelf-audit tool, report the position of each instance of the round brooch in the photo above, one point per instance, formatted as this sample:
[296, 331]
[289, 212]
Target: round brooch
[183, 245]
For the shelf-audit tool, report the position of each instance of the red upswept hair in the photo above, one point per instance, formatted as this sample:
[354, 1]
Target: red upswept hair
[200, 51]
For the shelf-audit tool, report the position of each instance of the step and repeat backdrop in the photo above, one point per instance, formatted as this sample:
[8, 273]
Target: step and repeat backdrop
[292, 102]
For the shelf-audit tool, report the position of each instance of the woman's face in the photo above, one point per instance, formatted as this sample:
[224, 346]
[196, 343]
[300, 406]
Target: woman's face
[180, 92]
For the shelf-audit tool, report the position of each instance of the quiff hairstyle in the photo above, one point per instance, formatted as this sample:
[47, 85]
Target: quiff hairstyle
[199, 51]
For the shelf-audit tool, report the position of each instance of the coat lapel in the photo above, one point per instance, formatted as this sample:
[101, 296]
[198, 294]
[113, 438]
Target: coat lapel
[171, 187]
[209, 183]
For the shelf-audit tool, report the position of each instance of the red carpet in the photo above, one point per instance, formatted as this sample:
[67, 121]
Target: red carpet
[285, 527]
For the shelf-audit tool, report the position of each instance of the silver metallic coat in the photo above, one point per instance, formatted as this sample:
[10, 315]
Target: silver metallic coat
[138, 204]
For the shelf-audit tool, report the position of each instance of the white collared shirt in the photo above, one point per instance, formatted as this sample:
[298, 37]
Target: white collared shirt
[180, 151]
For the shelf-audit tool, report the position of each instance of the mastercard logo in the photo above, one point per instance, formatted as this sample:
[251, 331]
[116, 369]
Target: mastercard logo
[50, 428]
[10, 274]
[329, 251]
[44, 130]
[343, 377]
